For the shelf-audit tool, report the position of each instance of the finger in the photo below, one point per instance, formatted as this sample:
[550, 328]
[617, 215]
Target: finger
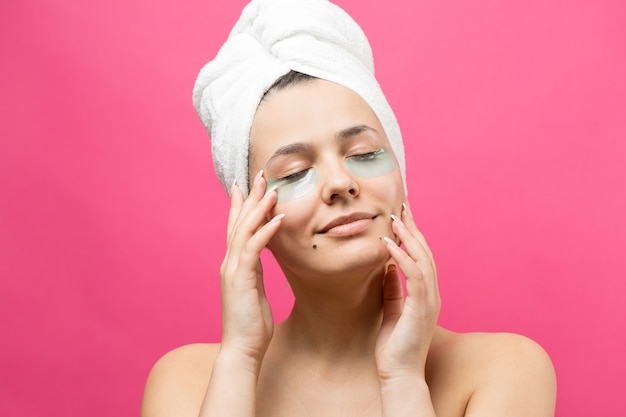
[257, 191]
[261, 237]
[413, 246]
[406, 263]
[409, 221]
[421, 279]
[423, 258]
[249, 225]
[393, 295]
[260, 284]
[236, 201]
[246, 257]
[253, 214]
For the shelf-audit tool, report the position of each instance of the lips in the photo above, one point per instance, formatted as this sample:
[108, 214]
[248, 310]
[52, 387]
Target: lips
[348, 225]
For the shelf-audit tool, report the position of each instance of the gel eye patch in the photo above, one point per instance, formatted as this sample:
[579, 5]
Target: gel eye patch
[298, 185]
[294, 186]
[373, 164]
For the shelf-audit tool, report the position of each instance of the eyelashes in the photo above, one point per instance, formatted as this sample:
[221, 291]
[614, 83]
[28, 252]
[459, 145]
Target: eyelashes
[299, 184]
[294, 186]
[293, 177]
[360, 158]
[367, 157]
[373, 164]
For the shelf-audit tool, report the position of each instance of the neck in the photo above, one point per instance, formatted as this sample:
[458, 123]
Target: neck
[335, 318]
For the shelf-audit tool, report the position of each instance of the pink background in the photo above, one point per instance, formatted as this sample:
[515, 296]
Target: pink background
[112, 222]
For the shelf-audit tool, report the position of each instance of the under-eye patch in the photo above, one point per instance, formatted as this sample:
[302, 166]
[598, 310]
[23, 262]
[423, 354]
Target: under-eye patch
[369, 165]
[373, 164]
[294, 186]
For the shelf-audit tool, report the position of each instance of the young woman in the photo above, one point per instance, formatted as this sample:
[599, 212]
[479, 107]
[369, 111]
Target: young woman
[327, 197]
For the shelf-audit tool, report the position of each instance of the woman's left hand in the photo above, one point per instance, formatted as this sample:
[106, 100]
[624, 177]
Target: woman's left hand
[408, 323]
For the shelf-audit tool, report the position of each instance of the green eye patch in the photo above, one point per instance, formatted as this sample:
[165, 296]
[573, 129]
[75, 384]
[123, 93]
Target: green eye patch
[298, 185]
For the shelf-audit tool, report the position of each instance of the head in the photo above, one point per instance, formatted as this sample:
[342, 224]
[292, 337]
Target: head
[270, 39]
[338, 179]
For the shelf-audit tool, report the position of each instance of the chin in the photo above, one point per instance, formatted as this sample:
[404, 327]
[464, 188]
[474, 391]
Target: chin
[351, 256]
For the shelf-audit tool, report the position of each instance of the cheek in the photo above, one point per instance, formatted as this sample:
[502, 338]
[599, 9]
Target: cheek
[398, 187]
[390, 189]
[295, 225]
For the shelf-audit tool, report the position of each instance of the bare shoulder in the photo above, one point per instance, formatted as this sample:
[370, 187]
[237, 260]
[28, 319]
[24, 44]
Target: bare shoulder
[178, 381]
[506, 350]
[506, 374]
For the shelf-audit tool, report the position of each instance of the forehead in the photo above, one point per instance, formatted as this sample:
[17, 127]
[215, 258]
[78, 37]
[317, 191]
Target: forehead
[312, 112]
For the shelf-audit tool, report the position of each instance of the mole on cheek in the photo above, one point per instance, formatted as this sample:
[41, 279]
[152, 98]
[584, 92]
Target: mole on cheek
[314, 246]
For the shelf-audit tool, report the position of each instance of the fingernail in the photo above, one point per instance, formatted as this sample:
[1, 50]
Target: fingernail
[389, 241]
[391, 268]
[232, 187]
[268, 191]
[396, 219]
[258, 176]
[277, 218]
[406, 209]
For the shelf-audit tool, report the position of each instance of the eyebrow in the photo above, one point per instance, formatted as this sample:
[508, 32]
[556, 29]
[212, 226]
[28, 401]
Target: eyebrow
[301, 147]
[290, 149]
[354, 130]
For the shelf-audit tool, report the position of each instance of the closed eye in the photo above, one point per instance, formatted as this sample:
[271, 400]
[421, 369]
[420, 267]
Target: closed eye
[293, 177]
[368, 156]
[294, 186]
[371, 164]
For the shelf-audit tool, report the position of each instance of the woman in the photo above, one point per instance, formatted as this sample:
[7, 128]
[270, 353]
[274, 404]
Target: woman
[327, 197]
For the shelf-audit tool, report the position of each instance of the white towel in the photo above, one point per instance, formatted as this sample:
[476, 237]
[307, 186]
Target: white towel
[271, 38]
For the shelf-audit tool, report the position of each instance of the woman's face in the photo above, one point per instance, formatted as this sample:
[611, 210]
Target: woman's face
[338, 180]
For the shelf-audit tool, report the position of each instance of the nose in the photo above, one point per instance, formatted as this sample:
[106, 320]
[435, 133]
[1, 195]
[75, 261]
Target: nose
[338, 183]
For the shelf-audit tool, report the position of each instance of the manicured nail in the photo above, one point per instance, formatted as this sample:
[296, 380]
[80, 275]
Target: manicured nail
[232, 187]
[277, 218]
[406, 209]
[269, 191]
[396, 219]
[258, 176]
[392, 268]
[389, 241]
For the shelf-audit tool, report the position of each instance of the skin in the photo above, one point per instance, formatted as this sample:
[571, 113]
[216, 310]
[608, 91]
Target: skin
[355, 344]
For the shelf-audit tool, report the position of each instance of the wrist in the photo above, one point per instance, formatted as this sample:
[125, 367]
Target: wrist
[396, 382]
[406, 395]
[233, 360]
[395, 372]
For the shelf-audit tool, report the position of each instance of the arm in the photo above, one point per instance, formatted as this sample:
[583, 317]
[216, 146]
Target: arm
[247, 323]
[408, 324]
[510, 375]
[177, 385]
[232, 387]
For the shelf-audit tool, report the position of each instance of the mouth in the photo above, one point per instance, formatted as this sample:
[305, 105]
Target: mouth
[348, 225]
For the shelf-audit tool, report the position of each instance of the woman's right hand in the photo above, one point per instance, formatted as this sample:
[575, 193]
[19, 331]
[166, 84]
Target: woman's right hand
[247, 323]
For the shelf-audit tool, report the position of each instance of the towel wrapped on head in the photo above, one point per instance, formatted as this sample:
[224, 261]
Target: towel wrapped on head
[271, 38]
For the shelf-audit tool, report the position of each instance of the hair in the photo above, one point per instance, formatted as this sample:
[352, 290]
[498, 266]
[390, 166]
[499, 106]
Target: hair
[289, 79]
